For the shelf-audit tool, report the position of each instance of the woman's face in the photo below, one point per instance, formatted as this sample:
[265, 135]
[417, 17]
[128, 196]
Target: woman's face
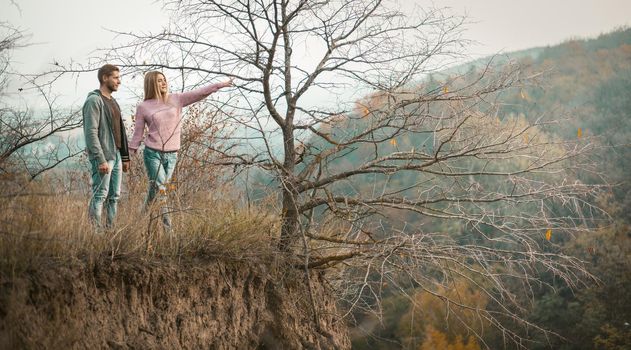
[162, 84]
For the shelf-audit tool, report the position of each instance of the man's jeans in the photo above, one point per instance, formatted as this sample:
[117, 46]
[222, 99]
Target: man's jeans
[160, 167]
[106, 189]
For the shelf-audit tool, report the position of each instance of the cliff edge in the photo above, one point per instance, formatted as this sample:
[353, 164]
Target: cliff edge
[192, 304]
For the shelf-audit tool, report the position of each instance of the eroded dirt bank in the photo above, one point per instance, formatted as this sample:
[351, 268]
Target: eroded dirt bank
[196, 304]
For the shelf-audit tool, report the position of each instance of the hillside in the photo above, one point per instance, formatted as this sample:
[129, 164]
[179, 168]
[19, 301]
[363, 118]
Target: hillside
[583, 89]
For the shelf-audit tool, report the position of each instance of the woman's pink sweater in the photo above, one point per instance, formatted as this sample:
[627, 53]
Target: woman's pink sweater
[163, 120]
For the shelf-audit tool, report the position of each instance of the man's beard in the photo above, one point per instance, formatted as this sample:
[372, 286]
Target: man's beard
[112, 87]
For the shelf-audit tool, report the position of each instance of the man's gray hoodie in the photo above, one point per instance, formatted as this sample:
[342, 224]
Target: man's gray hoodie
[97, 127]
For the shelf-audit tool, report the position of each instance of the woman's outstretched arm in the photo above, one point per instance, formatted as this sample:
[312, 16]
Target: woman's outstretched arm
[186, 98]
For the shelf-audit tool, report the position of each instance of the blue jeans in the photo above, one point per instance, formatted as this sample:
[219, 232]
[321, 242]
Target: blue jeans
[160, 167]
[106, 189]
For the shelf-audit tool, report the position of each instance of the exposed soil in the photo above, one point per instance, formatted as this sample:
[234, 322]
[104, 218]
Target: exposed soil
[200, 304]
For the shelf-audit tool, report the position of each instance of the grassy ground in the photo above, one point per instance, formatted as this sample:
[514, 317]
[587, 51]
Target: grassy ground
[43, 224]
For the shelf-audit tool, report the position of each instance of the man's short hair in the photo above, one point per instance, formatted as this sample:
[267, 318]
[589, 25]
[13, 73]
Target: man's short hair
[106, 71]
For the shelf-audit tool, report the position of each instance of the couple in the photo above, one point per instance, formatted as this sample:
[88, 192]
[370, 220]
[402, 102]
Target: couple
[106, 140]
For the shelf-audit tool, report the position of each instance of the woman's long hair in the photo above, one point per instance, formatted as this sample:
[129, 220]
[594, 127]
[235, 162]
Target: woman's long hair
[151, 86]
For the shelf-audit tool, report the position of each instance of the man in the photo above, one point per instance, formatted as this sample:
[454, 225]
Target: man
[106, 143]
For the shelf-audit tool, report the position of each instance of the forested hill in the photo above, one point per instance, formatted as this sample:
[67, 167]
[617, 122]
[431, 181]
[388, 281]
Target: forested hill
[583, 77]
[581, 90]
[586, 84]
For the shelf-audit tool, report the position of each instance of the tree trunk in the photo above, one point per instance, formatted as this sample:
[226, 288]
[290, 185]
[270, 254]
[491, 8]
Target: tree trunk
[289, 228]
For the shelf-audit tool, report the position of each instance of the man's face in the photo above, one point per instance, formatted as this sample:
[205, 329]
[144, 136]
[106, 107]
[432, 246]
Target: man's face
[112, 81]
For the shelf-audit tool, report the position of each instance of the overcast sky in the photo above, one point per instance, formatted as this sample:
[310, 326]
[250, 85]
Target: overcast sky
[71, 29]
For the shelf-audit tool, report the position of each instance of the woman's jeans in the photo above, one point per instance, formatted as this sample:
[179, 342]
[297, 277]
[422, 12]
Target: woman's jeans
[106, 189]
[160, 167]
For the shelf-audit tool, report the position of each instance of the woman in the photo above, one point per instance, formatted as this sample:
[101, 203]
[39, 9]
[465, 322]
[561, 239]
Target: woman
[161, 112]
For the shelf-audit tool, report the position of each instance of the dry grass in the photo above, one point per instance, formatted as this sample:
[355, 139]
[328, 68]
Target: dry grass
[43, 225]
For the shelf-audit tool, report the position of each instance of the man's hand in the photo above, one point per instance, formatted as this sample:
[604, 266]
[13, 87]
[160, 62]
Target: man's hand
[126, 166]
[104, 168]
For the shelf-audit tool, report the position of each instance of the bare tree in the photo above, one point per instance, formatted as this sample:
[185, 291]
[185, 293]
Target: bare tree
[30, 140]
[384, 176]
